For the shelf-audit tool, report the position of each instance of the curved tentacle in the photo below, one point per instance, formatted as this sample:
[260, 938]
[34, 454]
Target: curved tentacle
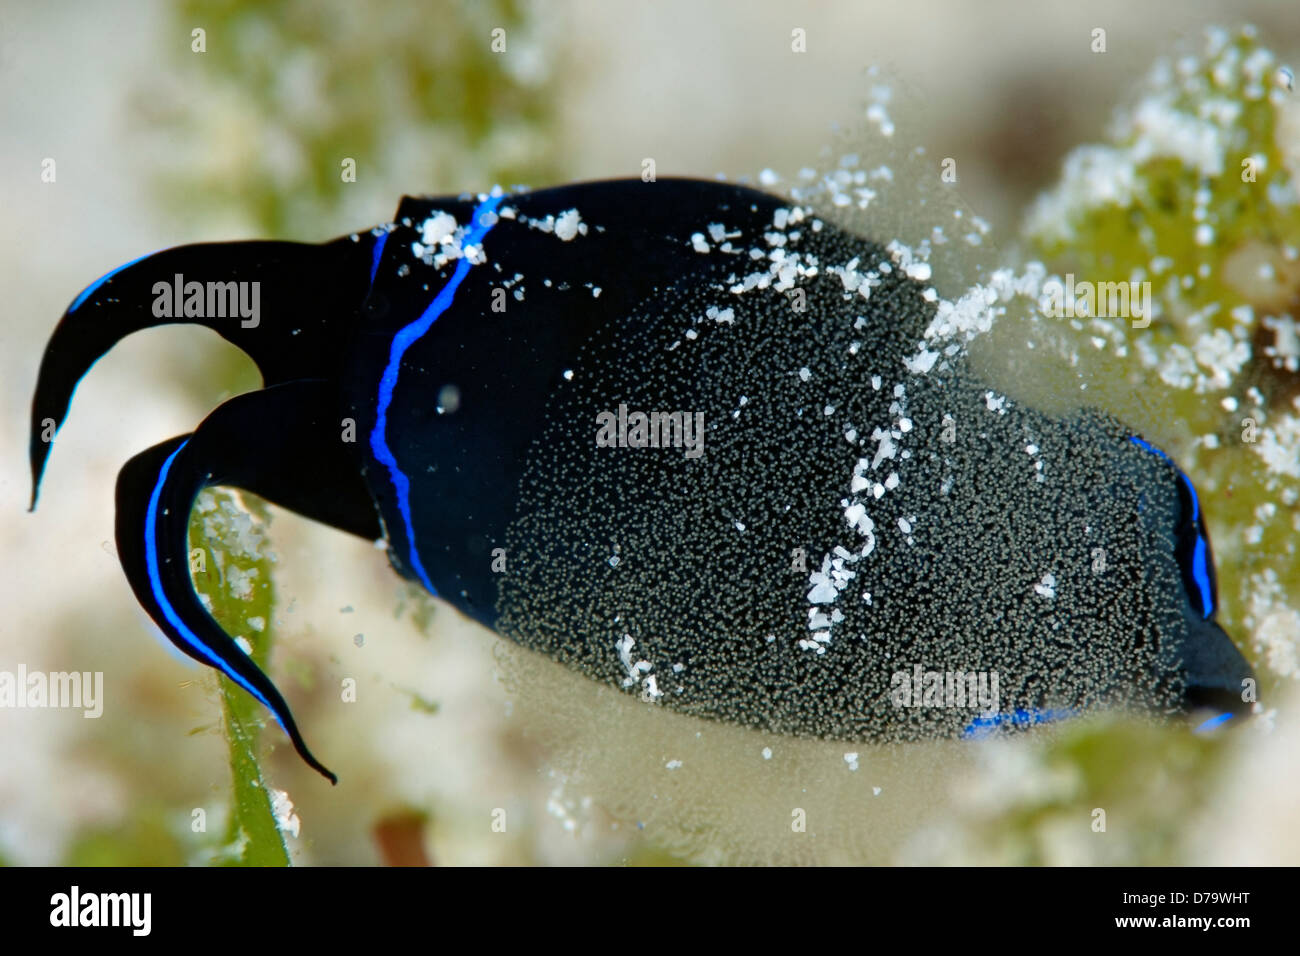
[156, 491]
[308, 290]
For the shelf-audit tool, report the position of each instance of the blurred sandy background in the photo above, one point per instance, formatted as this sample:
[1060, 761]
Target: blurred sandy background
[157, 146]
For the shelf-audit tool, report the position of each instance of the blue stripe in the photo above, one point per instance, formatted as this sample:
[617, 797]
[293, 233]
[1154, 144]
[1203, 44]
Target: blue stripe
[378, 251]
[1202, 577]
[1213, 722]
[90, 289]
[983, 726]
[155, 583]
[1196, 502]
[1200, 572]
[403, 341]
[1151, 448]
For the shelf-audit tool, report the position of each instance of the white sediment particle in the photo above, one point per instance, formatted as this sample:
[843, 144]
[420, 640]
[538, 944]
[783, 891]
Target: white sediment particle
[624, 645]
[995, 403]
[1273, 623]
[441, 239]
[877, 114]
[922, 362]
[852, 760]
[637, 671]
[1285, 350]
[561, 809]
[699, 243]
[1046, 587]
[786, 268]
[767, 753]
[673, 764]
[244, 646]
[1094, 176]
[569, 225]
[1279, 445]
[859, 481]
[885, 447]
[827, 583]
[282, 808]
[438, 229]
[1176, 364]
[969, 316]
[1222, 355]
[239, 582]
[1158, 127]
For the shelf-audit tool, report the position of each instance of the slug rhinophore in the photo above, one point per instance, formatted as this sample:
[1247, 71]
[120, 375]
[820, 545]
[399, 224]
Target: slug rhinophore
[688, 438]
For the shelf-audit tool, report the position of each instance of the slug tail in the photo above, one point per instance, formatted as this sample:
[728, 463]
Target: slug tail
[155, 493]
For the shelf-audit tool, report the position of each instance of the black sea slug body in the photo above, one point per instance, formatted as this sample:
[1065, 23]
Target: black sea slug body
[687, 438]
